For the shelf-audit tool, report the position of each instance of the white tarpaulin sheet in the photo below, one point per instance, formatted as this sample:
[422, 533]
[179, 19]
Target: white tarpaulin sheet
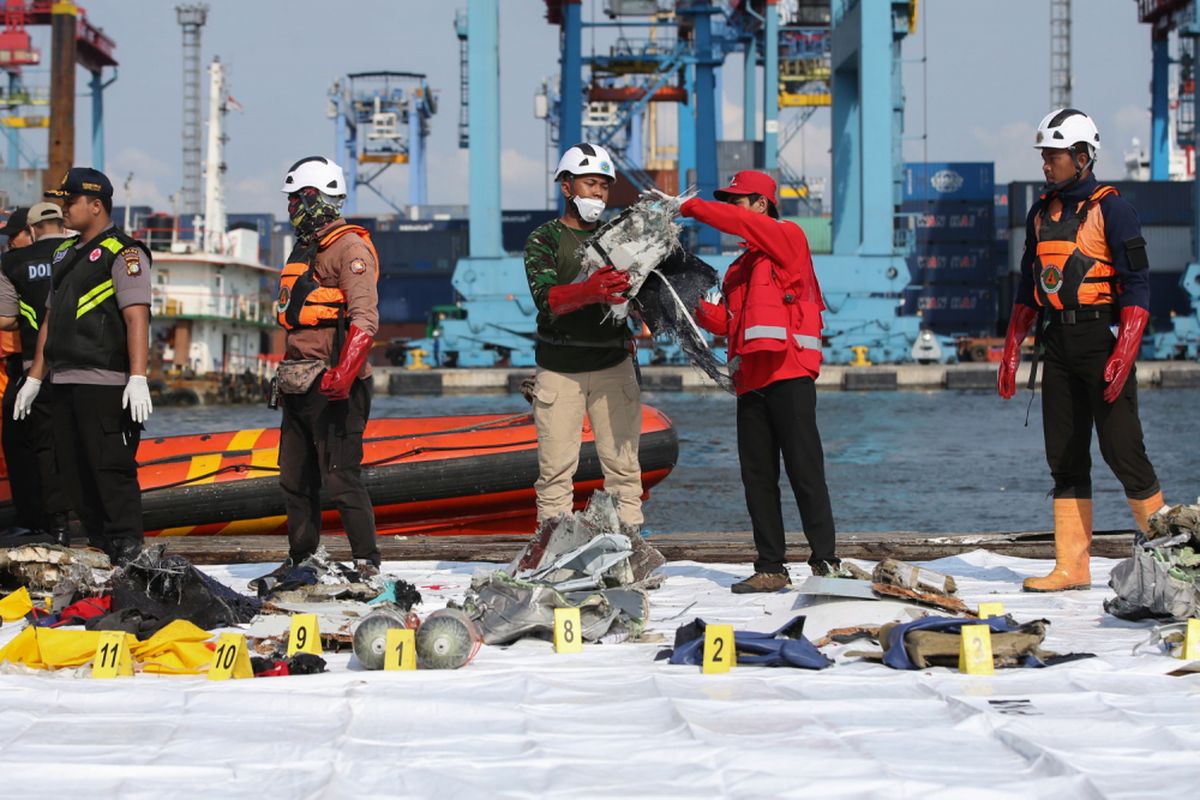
[611, 722]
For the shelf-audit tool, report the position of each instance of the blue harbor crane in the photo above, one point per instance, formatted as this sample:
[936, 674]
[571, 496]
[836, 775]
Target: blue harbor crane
[381, 119]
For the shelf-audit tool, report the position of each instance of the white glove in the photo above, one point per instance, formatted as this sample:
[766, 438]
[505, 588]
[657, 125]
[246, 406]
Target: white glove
[25, 397]
[137, 398]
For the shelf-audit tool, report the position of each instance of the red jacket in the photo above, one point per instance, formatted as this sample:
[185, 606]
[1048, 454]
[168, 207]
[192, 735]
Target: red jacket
[771, 311]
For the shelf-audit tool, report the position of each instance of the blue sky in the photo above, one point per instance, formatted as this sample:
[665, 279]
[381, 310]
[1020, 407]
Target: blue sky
[985, 87]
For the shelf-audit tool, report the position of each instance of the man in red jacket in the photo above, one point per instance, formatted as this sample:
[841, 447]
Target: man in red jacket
[771, 318]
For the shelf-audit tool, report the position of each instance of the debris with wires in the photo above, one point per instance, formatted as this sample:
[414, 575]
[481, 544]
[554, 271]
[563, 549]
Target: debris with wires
[666, 301]
[163, 588]
[635, 241]
[666, 282]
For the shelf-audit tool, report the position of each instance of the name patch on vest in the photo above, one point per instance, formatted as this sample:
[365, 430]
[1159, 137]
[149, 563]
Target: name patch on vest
[39, 272]
[1051, 279]
[94, 255]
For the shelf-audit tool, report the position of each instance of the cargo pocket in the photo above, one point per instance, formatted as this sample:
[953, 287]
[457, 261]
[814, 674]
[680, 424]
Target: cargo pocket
[118, 455]
[345, 445]
[543, 397]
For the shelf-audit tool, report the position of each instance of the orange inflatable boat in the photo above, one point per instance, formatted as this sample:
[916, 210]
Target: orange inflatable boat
[425, 475]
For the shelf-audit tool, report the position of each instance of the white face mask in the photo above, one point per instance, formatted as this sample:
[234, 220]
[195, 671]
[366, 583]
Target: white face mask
[589, 208]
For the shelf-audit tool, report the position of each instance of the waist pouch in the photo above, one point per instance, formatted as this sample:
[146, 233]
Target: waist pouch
[295, 377]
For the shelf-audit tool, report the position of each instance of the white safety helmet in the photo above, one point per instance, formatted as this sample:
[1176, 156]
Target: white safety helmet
[585, 159]
[1066, 128]
[318, 172]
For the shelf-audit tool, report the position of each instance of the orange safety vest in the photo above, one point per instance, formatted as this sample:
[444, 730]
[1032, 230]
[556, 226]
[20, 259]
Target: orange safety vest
[303, 301]
[1074, 264]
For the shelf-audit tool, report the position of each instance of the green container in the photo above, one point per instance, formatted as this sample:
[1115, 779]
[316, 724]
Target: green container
[819, 231]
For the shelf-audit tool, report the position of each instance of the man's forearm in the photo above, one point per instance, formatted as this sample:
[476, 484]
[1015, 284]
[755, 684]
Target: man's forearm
[137, 337]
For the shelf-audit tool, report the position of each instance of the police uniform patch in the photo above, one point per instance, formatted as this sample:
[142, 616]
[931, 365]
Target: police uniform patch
[358, 266]
[94, 255]
[60, 255]
[133, 262]
[1051, 280]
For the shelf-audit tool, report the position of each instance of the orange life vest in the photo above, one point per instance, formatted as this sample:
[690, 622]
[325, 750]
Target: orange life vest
[1073, 265]
[303, 301]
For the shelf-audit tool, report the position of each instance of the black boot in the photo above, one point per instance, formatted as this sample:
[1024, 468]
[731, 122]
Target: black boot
[60, 530]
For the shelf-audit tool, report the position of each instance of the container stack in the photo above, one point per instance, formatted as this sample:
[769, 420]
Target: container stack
[949, 209]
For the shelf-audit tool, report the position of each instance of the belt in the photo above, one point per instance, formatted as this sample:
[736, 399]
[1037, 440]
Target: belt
[621, 343]
[1073, 316]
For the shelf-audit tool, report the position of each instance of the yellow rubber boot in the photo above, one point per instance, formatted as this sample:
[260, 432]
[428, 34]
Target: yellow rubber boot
[1072, 540]
[1143, 509]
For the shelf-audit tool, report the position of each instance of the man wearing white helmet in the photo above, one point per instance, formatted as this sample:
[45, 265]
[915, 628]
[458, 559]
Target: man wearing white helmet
[584, 359]
[329, 306]
[1083, 273]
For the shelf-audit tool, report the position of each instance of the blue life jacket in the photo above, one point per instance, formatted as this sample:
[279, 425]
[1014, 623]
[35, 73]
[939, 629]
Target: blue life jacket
[758, 649]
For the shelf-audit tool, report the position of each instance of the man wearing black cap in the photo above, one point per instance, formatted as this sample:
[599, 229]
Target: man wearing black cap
[37, 493]
[94, 343]
[16, 229]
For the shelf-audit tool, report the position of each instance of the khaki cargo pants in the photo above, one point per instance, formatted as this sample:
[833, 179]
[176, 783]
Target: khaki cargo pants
[612, 401]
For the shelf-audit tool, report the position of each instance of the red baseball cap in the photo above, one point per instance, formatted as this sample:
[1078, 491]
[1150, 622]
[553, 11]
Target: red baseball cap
[747, 182]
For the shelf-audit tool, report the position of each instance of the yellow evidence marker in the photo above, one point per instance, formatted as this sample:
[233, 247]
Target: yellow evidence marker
[975, 652]
[400, 651]
[719, 652]
[1191, 641]
[567, 631]
[994, 609]
[230, 659]
[113, 659]
[304, 637]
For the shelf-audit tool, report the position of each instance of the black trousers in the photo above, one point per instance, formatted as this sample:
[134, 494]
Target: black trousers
[1073, 403]
[95, 447]
[781, 418]
[320, 444]
[24, 478]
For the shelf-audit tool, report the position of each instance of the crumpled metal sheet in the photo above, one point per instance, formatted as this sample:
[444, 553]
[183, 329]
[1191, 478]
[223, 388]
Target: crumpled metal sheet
[635, 241]
[506, 609]
[584, 550]
[1146, 588]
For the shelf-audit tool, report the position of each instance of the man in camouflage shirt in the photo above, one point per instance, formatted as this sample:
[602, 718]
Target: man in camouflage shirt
[584, 360]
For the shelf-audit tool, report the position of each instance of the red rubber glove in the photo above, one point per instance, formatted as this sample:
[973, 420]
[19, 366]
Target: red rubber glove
[603, 286]
[1125, 353]
[336, 382]
[1019, 323]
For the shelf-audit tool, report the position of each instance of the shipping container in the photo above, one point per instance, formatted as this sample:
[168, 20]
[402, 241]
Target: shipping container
[954, 263]
[950, 309]
[936, 223]
[515, 226]
[819, 232]
[429, 246]
[955, 181]
[1167, 203]
[409, 299]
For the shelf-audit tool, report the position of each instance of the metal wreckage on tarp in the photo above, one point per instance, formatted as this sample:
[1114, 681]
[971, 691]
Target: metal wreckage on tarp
[1161, 580]
[584, 560]
[665, 282]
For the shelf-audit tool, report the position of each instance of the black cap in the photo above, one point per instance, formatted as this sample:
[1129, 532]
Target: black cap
[83, 180]
[17, 221]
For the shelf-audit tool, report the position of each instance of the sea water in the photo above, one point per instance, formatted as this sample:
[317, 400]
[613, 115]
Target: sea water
[935, 462]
